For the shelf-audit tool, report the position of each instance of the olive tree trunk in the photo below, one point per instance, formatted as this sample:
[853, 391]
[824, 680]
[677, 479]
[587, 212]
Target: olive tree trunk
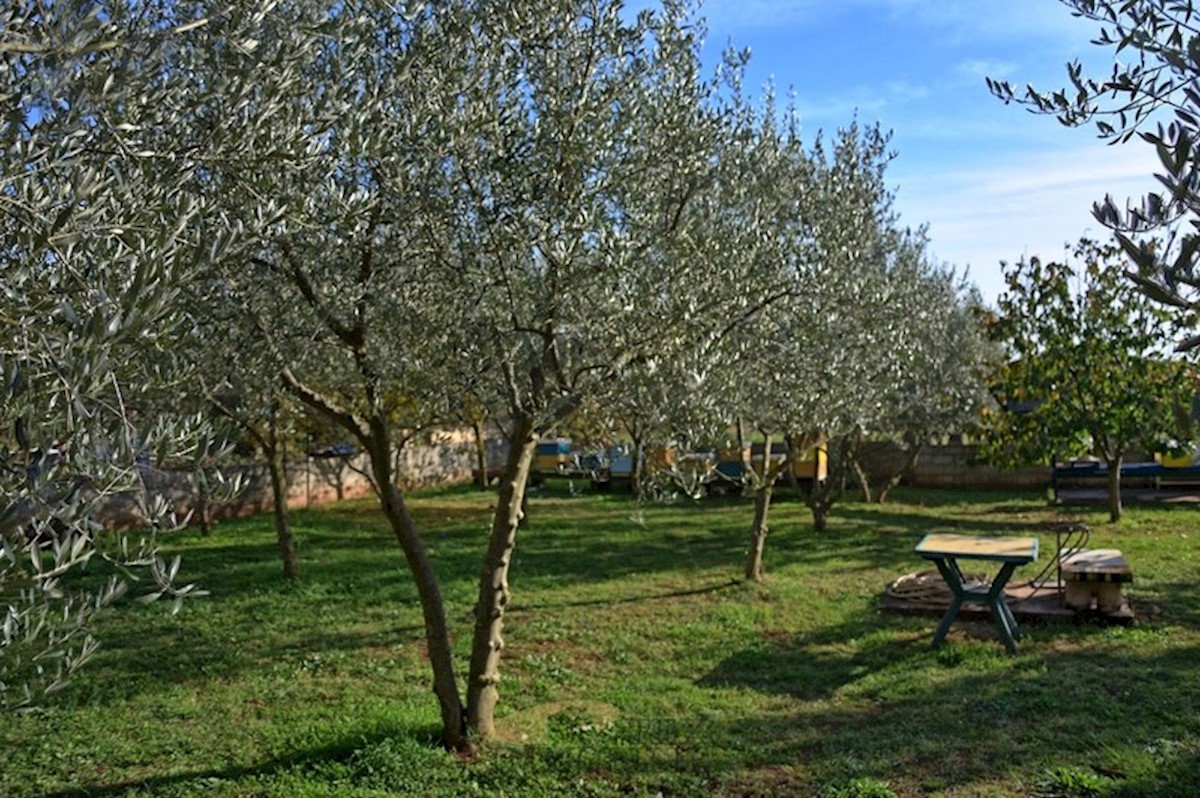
[821, 496]
[481, 461]
[910, 460]
[762, 505]
[283, 527]
[637, 467]
[860, 474]
[488, 641]
[204, 512]
[758, 531]
[1114, 489]
[374, 434]
[433, 608]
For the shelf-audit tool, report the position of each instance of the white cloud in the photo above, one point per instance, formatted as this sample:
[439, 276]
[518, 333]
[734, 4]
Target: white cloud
[867, 102]
[976, 69]
[1030, 203]
[973, 20]
[740, 15]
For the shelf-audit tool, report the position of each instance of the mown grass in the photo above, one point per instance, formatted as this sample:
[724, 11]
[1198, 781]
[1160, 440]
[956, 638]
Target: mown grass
[636, 663]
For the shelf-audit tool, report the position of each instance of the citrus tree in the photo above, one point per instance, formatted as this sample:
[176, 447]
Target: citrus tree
[1086, 372]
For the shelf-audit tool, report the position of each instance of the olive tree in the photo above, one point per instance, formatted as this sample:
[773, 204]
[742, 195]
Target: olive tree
[808, 367]
[839, 367]
[261, 413]
[940, 358]
[582, 252]
[496, 200]
[96, 235]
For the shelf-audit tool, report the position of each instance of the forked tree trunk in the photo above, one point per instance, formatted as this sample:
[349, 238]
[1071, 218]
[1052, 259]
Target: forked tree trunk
[283, 528]
[823, 495]
[1114, 489]
[374, 434]
[488, 641]
[758, 531]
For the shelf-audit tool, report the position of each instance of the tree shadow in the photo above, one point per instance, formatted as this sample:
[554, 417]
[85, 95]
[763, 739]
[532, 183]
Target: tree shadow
[338, 751]
[875, 705]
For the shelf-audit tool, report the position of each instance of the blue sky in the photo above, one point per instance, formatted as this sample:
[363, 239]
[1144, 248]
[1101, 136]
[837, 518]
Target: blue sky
[993, 182]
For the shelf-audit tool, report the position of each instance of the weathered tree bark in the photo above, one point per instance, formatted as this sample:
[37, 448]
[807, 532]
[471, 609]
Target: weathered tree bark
[488, 642]
[283, 528]
[1114, 489]
[339, 481]
[821, 497]
[744, 451]
[481, 461]
[762, 505]
[820, 516]
[433, 609]
[759, 531]
[860, 474]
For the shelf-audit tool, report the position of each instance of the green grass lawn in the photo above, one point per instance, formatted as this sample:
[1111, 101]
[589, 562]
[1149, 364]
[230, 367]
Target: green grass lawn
[636, 664]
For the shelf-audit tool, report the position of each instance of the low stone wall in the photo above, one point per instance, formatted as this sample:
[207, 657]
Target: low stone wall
[952, 464]
[447, 458]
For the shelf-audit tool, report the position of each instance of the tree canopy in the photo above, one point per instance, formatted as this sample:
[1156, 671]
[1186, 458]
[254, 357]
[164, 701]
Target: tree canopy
[96, 237]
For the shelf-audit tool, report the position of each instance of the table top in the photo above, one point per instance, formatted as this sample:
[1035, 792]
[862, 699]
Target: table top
[974, 547]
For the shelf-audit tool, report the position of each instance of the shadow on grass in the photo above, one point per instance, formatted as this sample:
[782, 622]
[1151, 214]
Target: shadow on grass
[1173, 602]
[811, 667]
[340, 751]
[517, 609]
[918, 523]
[946, 717]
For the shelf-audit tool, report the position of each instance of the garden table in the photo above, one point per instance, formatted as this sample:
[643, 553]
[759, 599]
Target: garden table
[947, 550]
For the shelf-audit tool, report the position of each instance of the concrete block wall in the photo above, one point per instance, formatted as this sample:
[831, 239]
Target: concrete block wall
[952, 464]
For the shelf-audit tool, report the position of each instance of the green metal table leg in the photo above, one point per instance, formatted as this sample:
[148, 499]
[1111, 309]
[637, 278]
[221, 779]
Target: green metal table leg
[1002, 617]
[1006, 624]
[953, 578]
[1012, 621]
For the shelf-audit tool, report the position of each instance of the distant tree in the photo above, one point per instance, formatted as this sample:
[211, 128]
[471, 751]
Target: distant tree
[840, 366]
[809, 365]
[941, 358]
[1149, 94]
[1086, 371]
[261, 413]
